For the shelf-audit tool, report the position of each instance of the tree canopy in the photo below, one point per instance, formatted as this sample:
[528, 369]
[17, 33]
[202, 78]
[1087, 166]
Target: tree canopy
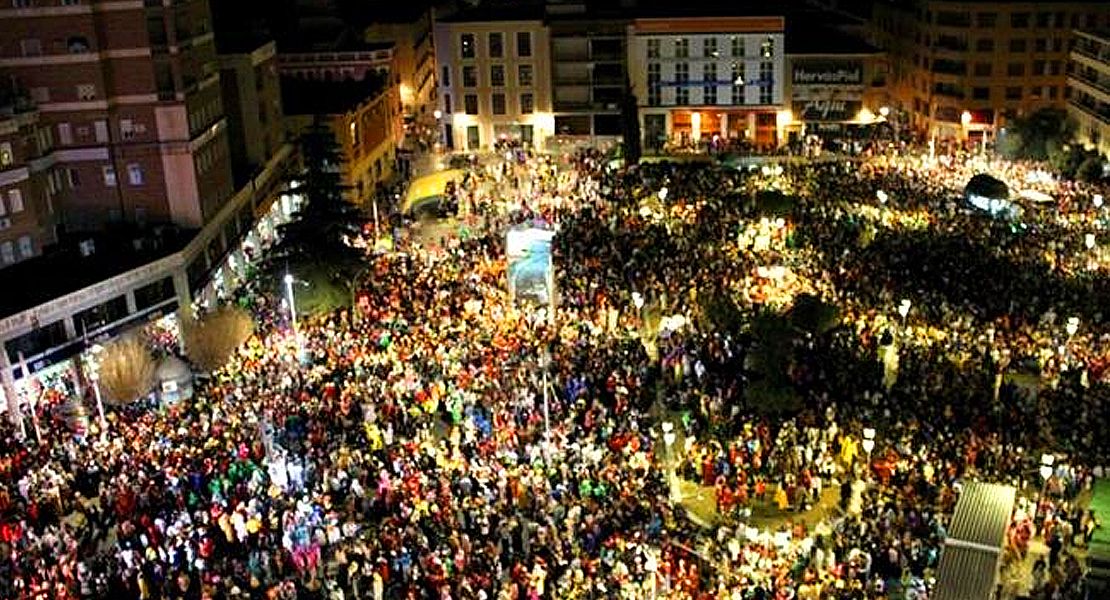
[318, 238]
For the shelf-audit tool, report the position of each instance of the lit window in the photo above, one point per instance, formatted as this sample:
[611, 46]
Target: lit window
[135, 174]
[6, 156]
[109, 176]
[15, 201]
[26, 249]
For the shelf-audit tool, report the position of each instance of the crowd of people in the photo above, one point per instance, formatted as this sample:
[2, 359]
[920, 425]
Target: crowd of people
[443, 442]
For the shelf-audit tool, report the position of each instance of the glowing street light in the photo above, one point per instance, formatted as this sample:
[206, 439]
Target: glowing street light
[437, 113]
[868, 441]
[1047, 461]
[884, 111]
[1089, 240]
[904, 308]
[1072, 326]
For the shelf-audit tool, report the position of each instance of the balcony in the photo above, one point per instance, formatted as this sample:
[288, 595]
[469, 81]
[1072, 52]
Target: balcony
[1095, 84]
[1102, 114]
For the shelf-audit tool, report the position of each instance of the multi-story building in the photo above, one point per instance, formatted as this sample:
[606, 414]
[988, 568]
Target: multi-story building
[836, 81]
[350, 61]
[494, 77]
[409, 28]
[589, 68]
[365, 117]
[960, 69]
[27, 184]
[705, 77]
[252, 90]
[1089, 81]
[130, 92]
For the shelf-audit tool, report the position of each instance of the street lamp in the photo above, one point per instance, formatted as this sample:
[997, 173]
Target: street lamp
[95, 377]
[1098, 200]
[1046, 472]
[868, 441]
[437, 113]
[904, 309]
[292, 305]
[1089, 241]
[1072, 326]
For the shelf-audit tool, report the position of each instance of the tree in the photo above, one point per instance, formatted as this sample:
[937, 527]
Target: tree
[630, 115]
[126, 370]
[1034, 136]
[211, 340]
[317, 239]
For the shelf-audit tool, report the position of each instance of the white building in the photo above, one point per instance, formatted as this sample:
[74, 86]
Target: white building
[494, 79]
[705, 77]
[1089, 83]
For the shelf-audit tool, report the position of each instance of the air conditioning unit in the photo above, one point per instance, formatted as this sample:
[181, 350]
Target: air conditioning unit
[5, 223]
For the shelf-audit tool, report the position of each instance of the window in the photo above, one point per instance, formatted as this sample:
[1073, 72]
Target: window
[470, 102]
[135, 173]
[527, 103]
[497, 75]
[709, 80]
[26, 249]
[1044, 19]
[767, 48]
[470, 76]
[654, 77]
[109, 175]
[682, 48]
[15, 201]
[1017, 45]
[765, 95]
[766, 73]
[709, 48]
[987, 19]
[31, 47]
[473, 138]
[981, 93]
[1057, 44]
[499, 104]
[446, 81]
[737, 83]
[1015, 69]
[523, 44]
[982, 69]
[653, 48]
[737, 46]
[6, 156]
[100, 129]
[1040, 45]
[1054, 67]
[1019, 19]
[984, 45]
[466, 45]
[1013, 93]
[681, 76]
[86, 91]
[77, 45]
[447, 103]
[524, 75]
[496, 45]
[3, 208]
[6, 254]
[1040, 67]
[1053, 92]
[22, 3]
[40, 94]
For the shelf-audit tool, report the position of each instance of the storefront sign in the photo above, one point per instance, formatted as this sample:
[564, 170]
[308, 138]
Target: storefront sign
[826, 110]
[828, 73]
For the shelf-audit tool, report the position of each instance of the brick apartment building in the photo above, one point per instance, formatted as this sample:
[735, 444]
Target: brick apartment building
[129, 99]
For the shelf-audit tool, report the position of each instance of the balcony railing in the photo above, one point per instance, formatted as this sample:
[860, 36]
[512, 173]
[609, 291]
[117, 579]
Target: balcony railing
[1102, 115]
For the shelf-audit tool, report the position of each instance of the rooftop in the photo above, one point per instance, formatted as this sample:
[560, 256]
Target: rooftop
[497, 10]
[314, 97]
[70, 272]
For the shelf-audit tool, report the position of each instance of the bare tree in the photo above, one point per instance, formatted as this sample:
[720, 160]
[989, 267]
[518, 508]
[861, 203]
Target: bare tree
[126, 370]
[211, 340]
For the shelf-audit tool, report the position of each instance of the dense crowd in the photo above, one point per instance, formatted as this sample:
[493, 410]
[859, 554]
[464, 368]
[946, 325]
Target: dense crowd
[444, 443]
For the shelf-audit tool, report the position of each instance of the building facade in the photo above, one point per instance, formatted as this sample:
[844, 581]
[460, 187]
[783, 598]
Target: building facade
[365, 118]
[27, 184]
[830, 93]
[589, 72]
[494, 81]
[252, 91]
[130, 92]
[414, 58]
[337, 64]
[960, 70]
[703, 79]
[1089, 81]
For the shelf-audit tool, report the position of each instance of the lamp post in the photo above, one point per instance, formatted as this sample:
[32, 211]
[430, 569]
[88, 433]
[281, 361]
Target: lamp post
[292, 305]
[868, 446]
[1047, 461]
[95, 377]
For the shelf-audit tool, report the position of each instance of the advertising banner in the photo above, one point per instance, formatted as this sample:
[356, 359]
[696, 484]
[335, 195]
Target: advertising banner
[828, 72]
[827, 110]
